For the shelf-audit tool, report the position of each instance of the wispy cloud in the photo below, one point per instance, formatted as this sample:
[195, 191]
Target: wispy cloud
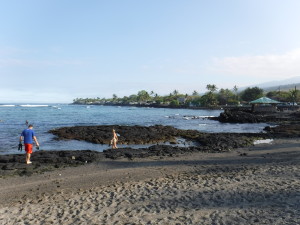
[261, 66]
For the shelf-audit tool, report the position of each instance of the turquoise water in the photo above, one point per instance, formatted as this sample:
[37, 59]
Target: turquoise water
[46, 117]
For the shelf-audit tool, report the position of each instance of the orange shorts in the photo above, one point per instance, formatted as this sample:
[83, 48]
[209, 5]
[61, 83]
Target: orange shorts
[28, 148]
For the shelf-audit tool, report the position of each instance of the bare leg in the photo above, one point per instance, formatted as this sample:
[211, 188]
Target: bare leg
[28, 155]
[114, 144]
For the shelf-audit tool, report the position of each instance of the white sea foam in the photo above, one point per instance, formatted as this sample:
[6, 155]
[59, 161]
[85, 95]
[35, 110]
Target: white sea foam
[56, 107]
[7, 105]
[34, 105]
[265, 141]
[196, 117]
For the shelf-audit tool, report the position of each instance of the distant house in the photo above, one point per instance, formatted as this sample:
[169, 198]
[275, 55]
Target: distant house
[181, 100]
[264, 104]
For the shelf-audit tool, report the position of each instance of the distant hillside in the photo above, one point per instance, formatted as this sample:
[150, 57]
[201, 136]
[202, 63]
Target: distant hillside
[283, 85]
[293, 80]
[286, 87]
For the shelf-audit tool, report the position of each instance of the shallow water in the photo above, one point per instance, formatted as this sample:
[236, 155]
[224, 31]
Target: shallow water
[49, 116]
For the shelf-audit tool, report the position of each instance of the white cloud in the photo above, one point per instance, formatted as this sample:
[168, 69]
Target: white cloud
[265, 67]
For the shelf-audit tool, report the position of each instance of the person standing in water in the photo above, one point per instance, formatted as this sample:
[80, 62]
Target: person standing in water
[114, 140]
[28, 135]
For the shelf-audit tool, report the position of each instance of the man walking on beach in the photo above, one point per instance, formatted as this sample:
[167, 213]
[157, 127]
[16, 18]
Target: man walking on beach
[29, 136]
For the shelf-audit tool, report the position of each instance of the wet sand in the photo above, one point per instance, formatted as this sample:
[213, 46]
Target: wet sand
[256, 185]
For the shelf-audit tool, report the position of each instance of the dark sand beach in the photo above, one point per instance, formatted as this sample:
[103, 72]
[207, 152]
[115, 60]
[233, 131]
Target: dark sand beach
[224, 179]
[253, 185]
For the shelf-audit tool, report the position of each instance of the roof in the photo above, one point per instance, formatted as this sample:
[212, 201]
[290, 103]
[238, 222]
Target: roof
[264, 100]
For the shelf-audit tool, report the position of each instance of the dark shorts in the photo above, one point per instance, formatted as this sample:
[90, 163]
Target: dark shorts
[28, 148]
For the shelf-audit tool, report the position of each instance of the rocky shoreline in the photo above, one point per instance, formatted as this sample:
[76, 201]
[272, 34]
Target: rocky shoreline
[157, 136]
[205, 183]
[246, 116]
[159, 106]
[49, 160]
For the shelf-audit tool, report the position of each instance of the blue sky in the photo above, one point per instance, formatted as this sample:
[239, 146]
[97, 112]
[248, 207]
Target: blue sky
[57, 50]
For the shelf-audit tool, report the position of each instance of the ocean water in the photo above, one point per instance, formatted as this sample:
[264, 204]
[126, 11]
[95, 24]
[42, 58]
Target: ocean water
[49, 116]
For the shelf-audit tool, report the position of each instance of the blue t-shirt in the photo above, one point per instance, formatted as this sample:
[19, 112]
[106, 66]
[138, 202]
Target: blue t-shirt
[28, 135]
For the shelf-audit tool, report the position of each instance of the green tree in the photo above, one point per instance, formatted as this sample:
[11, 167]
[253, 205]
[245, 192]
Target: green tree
[235, 89]
[195, 93]
[195, 101]
[251, 94]
[174, 102]
[281, 96]
[225, 96]
[294, 95]
[125, 100]
[175, 92]
[205, 100]
[133, 98]
[211, 87]
[210, 98]
[143, 95]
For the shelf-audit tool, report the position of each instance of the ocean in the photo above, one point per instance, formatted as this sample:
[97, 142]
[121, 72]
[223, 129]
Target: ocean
[49, 116]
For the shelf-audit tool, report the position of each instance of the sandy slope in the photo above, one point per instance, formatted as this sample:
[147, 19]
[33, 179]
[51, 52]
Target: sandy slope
[261, 187]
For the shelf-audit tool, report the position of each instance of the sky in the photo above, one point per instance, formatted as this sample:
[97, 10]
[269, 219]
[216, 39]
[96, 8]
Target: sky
[53, 51]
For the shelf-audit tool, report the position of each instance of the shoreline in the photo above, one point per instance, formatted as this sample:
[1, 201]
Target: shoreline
[194, 141]
[155, 106]
[258, 184]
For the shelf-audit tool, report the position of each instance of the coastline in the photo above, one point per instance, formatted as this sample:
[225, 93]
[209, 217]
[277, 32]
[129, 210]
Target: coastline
[154, 106]
[224, 179]
[252, 185]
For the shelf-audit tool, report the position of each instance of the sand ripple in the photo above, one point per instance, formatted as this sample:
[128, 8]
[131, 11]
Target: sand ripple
[265, 194]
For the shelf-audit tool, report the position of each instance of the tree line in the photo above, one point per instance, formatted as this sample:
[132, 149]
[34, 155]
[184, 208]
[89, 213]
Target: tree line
[213, 97]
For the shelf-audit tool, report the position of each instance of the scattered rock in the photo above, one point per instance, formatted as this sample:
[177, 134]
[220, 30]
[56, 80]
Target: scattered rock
[206, 142]
[246, 116]
[128, 134]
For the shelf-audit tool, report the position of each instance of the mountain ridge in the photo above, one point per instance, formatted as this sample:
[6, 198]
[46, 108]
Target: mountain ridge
[282, 85]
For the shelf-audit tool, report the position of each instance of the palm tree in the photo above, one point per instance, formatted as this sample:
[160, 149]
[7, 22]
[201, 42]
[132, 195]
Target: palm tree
[211, 87]
[175, 92]
[293, 95]
[235, 89]
[211, 98]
